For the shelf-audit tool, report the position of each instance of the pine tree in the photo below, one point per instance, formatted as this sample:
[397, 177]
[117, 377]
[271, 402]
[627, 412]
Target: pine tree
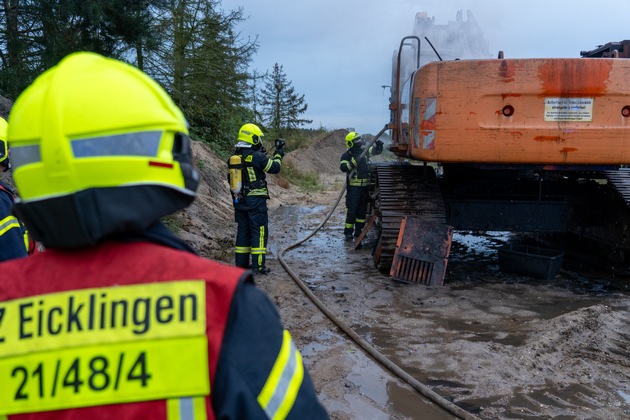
[203, 65]
[36, 34]
[281, 105]
[255, 94]
[190, 47]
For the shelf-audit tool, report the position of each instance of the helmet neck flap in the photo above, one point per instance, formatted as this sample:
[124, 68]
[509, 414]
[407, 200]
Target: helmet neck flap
[88, 217]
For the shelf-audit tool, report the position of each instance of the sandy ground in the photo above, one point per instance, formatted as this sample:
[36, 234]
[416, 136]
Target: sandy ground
[498, 345]
[501, 346]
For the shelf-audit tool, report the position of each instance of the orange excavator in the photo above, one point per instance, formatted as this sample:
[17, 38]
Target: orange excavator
[521, 145]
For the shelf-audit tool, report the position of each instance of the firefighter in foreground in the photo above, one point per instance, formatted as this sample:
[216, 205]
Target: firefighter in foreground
[357, 184]
[14, 239]
[119, 318]
[250, 165]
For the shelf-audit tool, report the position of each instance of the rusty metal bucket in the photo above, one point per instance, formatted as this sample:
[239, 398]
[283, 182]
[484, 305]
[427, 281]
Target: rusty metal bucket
[421, 252]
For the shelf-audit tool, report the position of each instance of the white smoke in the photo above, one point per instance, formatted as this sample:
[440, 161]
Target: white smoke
[461, 39]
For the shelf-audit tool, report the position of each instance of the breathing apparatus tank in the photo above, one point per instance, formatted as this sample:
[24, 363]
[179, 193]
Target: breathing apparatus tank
[235, 167]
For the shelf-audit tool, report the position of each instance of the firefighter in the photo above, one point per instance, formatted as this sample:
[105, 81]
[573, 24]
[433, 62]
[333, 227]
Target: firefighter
[119, 318]
[250, 205]
[14, 238]
[357, 184]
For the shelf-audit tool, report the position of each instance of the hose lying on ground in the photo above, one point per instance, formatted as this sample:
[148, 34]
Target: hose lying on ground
[367, 347]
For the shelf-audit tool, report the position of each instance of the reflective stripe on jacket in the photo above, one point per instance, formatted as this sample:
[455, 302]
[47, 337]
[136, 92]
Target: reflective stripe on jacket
[15, 242]
[348, 162]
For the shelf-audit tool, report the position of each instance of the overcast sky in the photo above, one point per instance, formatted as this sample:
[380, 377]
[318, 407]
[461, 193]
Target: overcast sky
[338, 53]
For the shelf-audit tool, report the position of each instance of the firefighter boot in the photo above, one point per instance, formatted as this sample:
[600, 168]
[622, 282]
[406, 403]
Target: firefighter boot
[262, 270]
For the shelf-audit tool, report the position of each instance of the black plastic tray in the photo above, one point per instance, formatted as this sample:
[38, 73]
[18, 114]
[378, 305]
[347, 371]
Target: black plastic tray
[531, 261]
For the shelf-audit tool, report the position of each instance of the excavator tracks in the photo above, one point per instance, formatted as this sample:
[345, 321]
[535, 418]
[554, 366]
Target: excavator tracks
[402, 189]
[620, 180]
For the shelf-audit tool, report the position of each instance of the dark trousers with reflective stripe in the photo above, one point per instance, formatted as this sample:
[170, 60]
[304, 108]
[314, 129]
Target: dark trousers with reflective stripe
[252, 232]
[356, 206]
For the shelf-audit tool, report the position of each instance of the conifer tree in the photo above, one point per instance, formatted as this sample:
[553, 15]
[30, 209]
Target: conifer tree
[190, 47]
[281, 105]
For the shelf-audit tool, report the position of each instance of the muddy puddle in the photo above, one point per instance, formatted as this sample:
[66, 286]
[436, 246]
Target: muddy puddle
[499, 345]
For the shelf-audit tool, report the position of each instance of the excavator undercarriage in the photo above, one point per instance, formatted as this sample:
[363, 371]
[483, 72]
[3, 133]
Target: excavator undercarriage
[576, 207]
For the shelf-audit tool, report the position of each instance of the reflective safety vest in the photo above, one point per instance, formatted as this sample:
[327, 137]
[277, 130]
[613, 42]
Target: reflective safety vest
[136, 330]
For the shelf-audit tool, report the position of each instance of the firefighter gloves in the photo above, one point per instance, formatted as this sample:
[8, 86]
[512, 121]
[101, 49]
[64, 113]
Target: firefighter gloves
[280, 147]
[379, 147]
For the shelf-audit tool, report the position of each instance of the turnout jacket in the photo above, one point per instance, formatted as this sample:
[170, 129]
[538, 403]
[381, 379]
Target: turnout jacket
[14, 239]
[142, 330]
[350, 160]
[255, 167]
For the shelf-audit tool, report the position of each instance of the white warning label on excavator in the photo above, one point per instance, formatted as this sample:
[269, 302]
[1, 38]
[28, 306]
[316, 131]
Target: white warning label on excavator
[569, 109]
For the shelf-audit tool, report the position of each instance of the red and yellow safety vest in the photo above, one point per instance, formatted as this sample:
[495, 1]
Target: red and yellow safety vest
[136, 330]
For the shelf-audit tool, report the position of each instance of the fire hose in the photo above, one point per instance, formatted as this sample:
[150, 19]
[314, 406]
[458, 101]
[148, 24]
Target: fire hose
[367, 347]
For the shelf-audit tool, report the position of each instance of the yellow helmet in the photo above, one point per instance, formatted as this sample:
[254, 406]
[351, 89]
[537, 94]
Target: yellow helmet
[250, 133]
[95, 136]
[4, 149]
[351, 139]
